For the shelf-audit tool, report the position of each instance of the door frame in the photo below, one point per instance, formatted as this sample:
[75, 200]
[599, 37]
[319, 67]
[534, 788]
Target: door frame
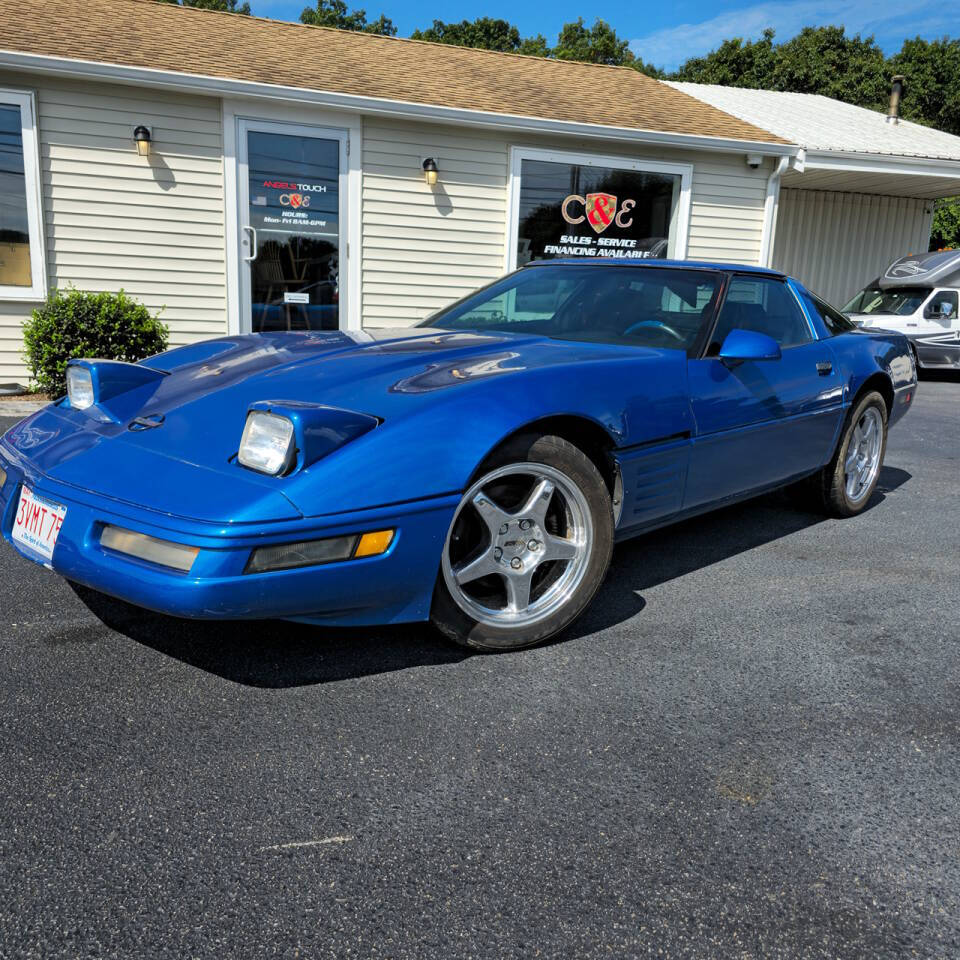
[291, 117]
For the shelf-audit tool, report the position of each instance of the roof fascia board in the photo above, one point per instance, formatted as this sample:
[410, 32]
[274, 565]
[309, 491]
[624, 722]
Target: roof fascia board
[223, 86]
[881, 163]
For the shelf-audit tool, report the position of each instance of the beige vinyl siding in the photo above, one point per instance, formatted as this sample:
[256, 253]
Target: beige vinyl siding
[423, 249]
[726, 212]
[112, 219]
[11, 342]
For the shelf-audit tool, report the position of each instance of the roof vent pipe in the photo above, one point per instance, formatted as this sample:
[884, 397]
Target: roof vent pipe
[896, 93]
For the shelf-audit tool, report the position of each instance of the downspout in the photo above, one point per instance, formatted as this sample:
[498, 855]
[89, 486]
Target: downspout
[770, 211]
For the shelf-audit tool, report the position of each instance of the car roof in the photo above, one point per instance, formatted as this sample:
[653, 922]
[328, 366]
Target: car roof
[650, 262]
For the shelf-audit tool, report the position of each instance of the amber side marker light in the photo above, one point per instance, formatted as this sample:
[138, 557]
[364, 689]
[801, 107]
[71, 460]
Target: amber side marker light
[373, 544]
[314, 553]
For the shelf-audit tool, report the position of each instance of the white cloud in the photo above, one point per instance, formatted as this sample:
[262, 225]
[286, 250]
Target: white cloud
[670, 46]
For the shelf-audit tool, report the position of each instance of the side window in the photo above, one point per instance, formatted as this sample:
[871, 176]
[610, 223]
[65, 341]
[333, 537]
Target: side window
[762, 305]
[943, 306]
[832, 319]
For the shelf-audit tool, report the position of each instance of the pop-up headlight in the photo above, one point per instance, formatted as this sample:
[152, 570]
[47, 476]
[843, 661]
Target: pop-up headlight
[280, 435]
[117, 389]
[267, 443]
[80, 387]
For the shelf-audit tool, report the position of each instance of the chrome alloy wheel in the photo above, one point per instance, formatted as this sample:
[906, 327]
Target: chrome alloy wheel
[519, 545]
[863, 455]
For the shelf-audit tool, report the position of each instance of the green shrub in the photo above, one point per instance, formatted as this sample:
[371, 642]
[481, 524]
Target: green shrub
[74, 323]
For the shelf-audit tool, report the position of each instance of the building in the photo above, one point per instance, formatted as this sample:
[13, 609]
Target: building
[246, 174]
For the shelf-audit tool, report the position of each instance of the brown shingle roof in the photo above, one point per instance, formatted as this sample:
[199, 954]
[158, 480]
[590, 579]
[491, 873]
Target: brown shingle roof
[143, 33]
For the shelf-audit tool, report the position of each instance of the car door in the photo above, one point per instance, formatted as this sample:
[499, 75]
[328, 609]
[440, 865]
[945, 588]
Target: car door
[761, 422]
[942, 312]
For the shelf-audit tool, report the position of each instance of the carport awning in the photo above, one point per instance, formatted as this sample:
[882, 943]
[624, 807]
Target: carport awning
[868, 176]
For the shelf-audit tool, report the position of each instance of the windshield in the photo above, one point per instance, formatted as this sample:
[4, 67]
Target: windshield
[639, 306]
[901, 301]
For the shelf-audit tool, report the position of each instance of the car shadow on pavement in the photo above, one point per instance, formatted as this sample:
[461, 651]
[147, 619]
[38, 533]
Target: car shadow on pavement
[275, 653]
[681, 548]
[279, 654]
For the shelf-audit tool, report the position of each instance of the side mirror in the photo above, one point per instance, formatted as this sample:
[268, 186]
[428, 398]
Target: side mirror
[941, 310]
[741, 345]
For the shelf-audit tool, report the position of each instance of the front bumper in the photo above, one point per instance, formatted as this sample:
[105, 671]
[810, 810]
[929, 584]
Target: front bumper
[395, 587]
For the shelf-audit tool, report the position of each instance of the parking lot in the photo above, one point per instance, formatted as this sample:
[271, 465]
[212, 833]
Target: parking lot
[747, 747]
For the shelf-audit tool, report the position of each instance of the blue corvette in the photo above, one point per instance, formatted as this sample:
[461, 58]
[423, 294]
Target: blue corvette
[475, 471]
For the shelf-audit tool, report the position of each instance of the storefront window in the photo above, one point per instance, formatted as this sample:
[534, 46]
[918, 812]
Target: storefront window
[571, 209]
[21, 273]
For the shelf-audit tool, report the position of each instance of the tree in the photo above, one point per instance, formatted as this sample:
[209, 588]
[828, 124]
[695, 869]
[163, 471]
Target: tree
[825, 60]
[735, 63]
[946, 224]
[932, 82]
[598, 44]
[817, 60]
[535, 46]
[484, 33]
[334, 13]
[225, 6]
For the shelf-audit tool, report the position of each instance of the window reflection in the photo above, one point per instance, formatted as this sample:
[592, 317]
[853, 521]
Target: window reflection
[15, 267]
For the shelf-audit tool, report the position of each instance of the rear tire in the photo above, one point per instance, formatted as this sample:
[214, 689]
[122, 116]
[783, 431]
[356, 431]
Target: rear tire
[846, 484]
[527, 549]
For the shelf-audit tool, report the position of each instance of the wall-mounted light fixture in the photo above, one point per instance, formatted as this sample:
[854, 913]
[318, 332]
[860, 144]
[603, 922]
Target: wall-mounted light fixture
[430, 171]
[141, 137]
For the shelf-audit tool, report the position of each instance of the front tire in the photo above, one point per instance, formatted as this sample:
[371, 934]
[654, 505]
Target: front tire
[847, 483]
[528, 547]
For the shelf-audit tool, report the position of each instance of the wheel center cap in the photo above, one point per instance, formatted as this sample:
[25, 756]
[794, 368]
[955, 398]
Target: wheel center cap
[519, 539]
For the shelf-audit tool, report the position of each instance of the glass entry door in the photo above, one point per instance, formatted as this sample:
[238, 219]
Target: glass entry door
[292, 231]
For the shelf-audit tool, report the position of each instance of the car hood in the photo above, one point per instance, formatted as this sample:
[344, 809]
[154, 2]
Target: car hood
[196, 413]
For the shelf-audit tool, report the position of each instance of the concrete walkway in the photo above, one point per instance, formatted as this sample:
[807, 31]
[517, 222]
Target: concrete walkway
[20, 408]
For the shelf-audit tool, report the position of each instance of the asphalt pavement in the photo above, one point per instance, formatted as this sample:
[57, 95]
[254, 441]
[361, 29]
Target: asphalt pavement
[748, 747]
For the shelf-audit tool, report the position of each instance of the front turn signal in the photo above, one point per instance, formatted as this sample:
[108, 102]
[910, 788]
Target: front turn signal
[373, 544]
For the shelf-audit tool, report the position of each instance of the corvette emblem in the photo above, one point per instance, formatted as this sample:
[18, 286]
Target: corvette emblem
[601, 209]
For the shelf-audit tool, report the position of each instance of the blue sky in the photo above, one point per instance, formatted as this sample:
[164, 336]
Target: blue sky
[667, 33]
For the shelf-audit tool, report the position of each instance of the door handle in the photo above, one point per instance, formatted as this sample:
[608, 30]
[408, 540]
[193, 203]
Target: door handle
[824, 368]
[253, 242]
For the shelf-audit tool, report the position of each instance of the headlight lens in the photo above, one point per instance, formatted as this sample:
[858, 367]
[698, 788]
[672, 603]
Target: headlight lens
[80, 387]
[267, 443]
